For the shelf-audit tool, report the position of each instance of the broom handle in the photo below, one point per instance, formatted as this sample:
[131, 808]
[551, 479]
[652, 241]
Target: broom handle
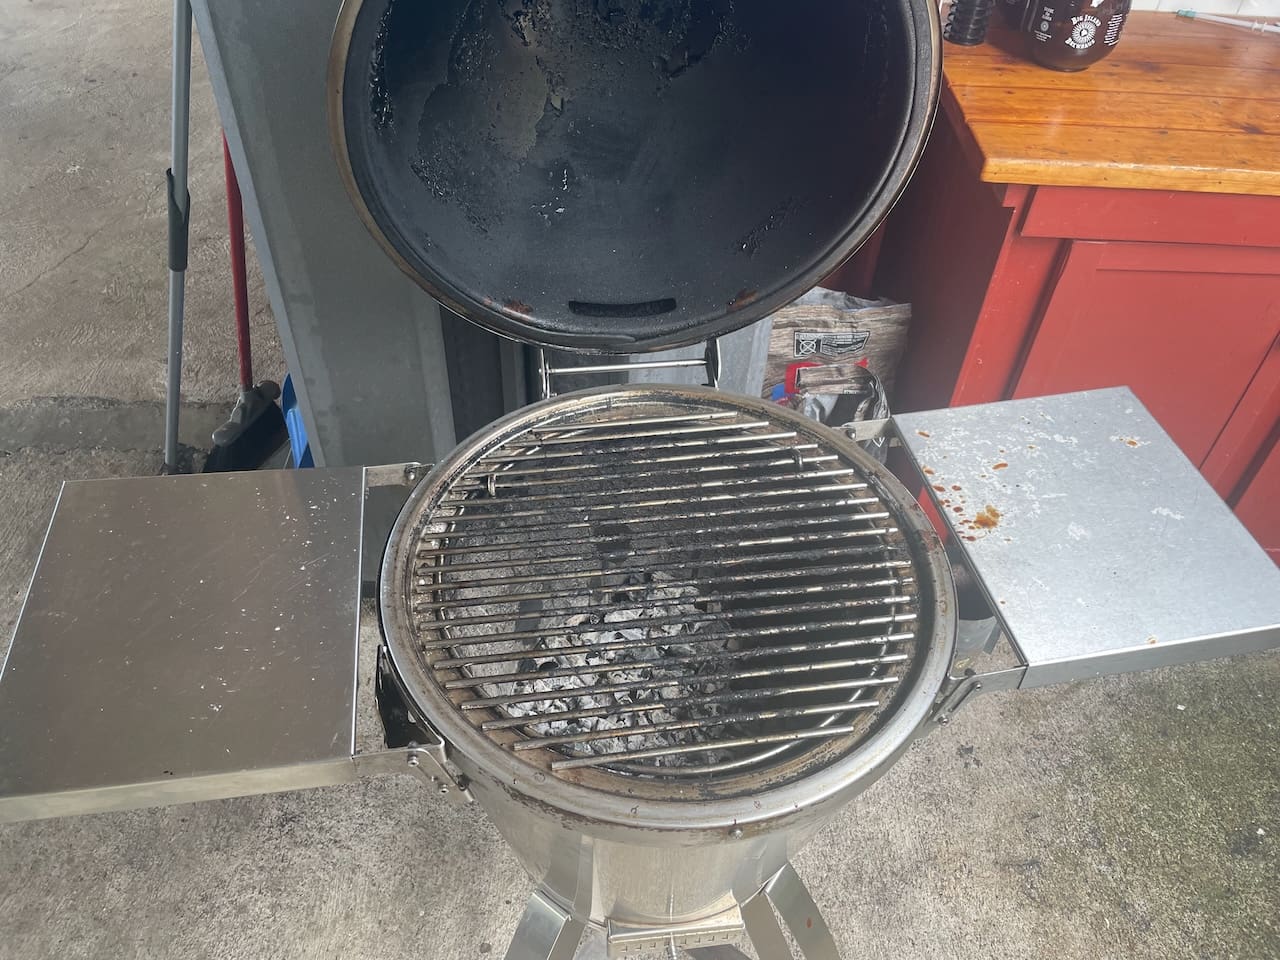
[239, 274]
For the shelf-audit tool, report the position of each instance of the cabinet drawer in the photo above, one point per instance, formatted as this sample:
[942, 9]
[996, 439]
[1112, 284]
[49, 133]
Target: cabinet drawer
[1156, 216]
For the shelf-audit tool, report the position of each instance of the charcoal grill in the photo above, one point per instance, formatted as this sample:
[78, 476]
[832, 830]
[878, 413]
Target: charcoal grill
[738, 590]
[667, 595]
[662, 635]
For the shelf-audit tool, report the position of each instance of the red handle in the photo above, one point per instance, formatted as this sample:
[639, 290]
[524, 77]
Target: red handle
[793, 370]
[239, 276]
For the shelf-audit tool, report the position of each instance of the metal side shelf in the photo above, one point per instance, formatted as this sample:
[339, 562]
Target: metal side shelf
[1098, 544]
[185, 638]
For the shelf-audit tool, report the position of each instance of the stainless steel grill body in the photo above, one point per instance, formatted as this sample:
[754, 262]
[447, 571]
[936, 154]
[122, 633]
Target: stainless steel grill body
[755, 616]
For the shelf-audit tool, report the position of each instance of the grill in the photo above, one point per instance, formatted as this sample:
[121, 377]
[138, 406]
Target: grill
[664, 634]
[635, 588]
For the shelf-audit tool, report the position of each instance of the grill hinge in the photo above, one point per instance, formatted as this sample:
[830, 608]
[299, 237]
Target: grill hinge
[710, 360]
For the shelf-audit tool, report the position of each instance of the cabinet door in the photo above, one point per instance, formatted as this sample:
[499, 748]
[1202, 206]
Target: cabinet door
[1250, 432]
[1186, 327]
[1259, 507]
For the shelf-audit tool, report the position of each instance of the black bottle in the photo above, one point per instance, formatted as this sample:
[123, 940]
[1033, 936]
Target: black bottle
[1013, 12]
[967, 21]
[1074, 34]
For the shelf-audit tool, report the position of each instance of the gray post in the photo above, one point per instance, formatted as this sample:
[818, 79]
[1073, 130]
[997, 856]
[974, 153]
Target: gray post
[179, 213]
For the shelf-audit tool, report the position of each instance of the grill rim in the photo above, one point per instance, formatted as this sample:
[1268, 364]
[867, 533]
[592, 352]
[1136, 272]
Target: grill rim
[840, 778]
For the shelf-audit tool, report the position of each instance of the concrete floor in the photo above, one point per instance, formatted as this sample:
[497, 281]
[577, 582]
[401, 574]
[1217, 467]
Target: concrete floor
[1134, 817]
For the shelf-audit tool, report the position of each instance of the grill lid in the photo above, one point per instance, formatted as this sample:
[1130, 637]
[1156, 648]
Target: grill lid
[665, 592]
[627, 176]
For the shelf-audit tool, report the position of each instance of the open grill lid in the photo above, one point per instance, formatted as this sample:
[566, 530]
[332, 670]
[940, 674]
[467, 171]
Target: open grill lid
[634, 175]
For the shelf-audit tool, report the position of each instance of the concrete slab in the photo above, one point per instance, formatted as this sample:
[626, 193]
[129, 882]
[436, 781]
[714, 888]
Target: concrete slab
[84, 93]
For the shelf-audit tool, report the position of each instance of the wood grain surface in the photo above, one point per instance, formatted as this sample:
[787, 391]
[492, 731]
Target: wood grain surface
[1178, 105]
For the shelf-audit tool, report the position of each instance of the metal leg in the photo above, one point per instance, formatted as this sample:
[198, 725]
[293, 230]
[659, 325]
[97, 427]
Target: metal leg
[594, 945]
[179, 212]
[786, 891]
[545, 933]
[762, 927]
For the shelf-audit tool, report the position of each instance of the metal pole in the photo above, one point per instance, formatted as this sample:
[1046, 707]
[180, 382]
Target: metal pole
[179, 220]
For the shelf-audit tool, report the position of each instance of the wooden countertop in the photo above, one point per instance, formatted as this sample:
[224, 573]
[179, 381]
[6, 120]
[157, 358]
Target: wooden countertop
[1178, 105]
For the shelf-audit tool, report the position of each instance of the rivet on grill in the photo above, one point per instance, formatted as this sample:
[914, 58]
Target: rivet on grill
[491, 484]
[735, 833]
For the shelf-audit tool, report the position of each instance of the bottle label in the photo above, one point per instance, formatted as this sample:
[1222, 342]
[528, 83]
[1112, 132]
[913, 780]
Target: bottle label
[1114, 26]
[1084, 32]
[1044, 22]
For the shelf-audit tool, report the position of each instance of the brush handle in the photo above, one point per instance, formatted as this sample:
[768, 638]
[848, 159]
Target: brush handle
[1254, 26]
[239, 273]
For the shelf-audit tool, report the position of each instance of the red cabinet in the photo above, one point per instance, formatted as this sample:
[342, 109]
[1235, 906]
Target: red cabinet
[1025, 290]
[1119, 225]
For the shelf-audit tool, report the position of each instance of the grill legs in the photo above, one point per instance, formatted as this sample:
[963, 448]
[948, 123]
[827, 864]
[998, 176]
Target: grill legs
[545, 933]
[548, 933]
[787, 893]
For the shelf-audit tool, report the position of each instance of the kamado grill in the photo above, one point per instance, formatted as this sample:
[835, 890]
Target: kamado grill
[693, 625]
[665, 592]
[661, 634]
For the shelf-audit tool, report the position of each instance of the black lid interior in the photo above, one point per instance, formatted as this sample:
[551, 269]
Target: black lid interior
[626, 175]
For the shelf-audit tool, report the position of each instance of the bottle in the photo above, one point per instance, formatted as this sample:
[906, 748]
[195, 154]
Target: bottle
[967, 21]
[1013, 12]
[1074, 34]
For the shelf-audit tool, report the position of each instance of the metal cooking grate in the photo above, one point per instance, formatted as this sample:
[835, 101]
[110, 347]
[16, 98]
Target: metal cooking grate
[663, 589]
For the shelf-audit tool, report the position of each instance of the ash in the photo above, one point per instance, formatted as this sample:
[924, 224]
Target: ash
[621, 618]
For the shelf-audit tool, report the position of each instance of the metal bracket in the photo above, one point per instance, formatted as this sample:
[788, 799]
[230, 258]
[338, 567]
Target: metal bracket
[395, 474]
[426, 762]
[413, 746]
[710, 360]
[960, 689]
[545, 932]
[863, 430]
[720, 930]
[711, 357]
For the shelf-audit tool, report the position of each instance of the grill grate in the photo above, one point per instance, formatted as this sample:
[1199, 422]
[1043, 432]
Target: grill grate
[652, 590]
